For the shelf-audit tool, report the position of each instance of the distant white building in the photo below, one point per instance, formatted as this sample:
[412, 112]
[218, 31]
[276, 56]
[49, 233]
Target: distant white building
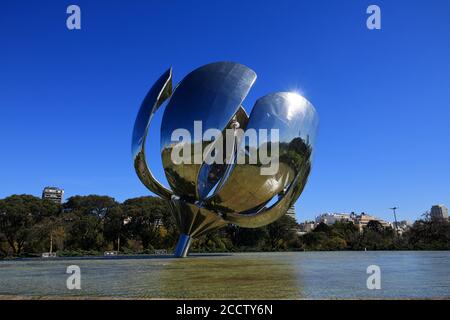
[332, 218]
[360, 220]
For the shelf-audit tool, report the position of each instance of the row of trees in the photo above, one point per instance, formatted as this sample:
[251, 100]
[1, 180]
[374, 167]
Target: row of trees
[92, 224]
[84, 223]
[425, 234]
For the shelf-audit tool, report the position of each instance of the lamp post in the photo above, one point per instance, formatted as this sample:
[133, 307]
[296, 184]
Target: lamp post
[395, 220]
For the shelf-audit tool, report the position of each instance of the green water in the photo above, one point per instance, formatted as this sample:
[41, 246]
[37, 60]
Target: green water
[301, 275]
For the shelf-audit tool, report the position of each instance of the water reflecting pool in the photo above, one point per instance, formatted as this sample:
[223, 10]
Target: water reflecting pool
[292, 275]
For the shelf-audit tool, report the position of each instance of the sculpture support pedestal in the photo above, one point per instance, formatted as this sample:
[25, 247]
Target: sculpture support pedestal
[193, 221]
[181, 251]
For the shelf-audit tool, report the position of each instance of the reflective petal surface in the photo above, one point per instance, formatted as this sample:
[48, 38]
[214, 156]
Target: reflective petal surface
[212, 175]
[246, 189]
[211, 94]
[159, 92]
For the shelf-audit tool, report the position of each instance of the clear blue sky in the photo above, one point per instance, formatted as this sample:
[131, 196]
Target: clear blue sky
[68, 99]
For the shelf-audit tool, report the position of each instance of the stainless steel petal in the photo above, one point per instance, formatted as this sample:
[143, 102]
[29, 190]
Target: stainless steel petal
[211, 94]
[159, 92]
[212, 176]
[270, 214]
[247, 189]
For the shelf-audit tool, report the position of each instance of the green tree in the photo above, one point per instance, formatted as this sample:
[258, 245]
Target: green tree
[335, 243]
[247, 237]
[347, 231]
[323, 227]
[427, 234]
[115, 226]
[375, 226]
[18, 216]
[85, 216]
[46, 233]
[314, 240]
[148, 216]
[281, 232]
[212, 242]
[94, 205]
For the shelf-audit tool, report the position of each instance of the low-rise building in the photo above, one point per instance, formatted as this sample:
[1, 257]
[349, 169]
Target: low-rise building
[332, 218]
[362, 220]
[307, 226]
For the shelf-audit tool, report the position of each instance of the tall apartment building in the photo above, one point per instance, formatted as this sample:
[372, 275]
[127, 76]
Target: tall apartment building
[53, 194]
[439, 212]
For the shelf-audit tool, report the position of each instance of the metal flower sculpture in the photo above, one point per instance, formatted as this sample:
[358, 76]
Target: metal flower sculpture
[207, 195]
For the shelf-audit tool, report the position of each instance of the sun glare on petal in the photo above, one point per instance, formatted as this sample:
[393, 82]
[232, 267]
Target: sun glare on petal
[296, 102]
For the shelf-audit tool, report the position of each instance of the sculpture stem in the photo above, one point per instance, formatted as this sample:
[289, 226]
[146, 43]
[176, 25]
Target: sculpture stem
[182, 249]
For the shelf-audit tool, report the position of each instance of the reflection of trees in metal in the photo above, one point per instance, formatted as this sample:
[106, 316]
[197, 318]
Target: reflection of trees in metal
[208, 196]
